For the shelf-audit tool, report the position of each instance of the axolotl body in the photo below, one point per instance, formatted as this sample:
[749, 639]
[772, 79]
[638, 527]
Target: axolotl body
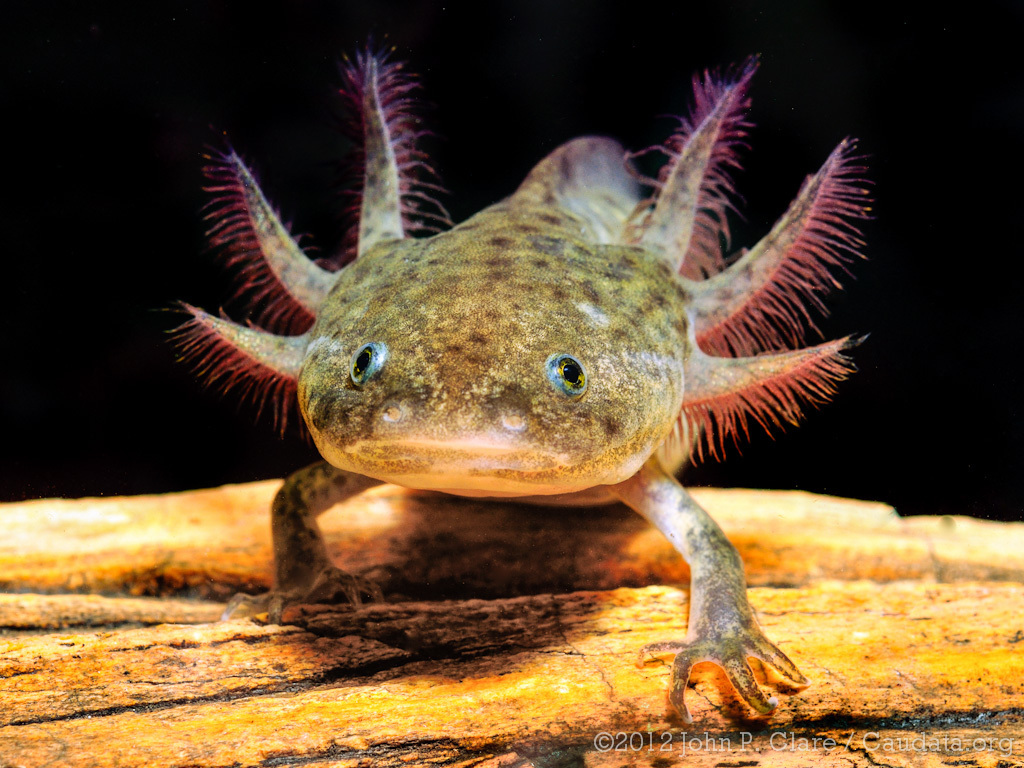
[576, 342]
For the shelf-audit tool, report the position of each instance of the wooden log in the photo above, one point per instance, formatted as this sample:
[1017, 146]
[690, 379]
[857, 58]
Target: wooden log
[214, 543]
[507, 639]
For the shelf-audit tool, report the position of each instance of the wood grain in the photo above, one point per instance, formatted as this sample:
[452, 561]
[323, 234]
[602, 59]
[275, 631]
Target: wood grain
[508, 638]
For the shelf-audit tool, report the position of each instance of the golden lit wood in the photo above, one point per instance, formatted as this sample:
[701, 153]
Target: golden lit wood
[514, 638]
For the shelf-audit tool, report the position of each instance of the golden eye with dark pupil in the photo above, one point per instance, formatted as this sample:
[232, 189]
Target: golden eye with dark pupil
[571, 372]
[362, 361]
[366, 361]
[567, 374]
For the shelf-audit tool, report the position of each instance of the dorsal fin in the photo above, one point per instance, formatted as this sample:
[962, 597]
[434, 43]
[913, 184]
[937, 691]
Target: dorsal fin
[587, 177]
[687, 221]
[762, 300]
[263, 367]
[394, 183]
[723, 395]
[282, 286]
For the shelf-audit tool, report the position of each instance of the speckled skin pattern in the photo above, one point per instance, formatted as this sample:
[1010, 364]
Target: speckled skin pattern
[469, 318]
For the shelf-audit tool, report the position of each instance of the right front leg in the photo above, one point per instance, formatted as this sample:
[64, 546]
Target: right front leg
[721, 626]
[303, 571]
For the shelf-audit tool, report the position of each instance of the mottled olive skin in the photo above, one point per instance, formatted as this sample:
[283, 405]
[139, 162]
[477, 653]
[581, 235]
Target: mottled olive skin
[469, 317]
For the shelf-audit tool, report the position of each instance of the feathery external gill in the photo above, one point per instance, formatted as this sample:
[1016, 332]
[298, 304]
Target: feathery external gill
[764, 300]
[688, 216]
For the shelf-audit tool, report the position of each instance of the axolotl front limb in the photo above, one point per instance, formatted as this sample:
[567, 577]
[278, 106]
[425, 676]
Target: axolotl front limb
[579, 337]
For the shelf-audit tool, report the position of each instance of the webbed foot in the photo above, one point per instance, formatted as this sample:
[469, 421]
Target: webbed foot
[729, 649]
[331, 585]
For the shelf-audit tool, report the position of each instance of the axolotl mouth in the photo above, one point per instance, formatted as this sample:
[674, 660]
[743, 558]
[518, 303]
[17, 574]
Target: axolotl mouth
[469, 466]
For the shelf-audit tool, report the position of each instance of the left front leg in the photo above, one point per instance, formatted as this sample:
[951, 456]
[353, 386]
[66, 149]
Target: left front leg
[722, 627]
[304, 572]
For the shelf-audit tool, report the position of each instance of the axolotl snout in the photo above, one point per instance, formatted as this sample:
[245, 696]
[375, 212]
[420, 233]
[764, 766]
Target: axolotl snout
[576, 342]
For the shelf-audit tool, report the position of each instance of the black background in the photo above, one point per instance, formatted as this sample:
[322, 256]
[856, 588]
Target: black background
[107, 108]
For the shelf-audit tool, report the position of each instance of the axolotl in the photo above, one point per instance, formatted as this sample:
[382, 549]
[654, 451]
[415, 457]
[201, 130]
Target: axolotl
[574, 343]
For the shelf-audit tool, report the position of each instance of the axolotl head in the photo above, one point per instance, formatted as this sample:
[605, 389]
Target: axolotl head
[495, 360]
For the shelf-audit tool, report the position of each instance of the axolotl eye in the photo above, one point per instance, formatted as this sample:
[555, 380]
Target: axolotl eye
[568, 375]
[366, 361]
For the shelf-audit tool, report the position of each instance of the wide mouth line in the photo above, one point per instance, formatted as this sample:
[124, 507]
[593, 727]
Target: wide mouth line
[468, 447]
[471, 454]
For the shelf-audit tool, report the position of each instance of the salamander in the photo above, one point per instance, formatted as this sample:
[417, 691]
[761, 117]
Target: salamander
[576, 342]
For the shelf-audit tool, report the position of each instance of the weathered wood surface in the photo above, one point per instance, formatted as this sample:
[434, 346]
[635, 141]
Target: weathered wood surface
[507, 641]
[214, 543]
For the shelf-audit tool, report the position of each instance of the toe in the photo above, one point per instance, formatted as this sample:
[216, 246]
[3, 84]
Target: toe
[742, 677]
[781, 662]
[681, 668]
[243, 606]
[658, 649]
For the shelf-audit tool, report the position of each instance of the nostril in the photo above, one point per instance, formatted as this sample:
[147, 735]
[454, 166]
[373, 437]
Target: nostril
[392, 413]
[513, 422]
